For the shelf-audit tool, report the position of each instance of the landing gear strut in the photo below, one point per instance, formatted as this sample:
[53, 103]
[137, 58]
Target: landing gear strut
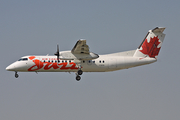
[16, 75]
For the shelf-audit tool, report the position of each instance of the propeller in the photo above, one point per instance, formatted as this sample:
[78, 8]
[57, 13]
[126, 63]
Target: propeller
[57, 53]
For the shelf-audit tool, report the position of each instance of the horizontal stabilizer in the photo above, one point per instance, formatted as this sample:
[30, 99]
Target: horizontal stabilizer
[160, 29]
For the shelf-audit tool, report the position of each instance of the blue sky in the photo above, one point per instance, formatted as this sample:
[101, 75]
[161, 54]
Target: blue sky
[36, 27]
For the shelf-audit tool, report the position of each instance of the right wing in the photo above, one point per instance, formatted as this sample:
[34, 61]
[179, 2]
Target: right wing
[80, 47]
[81, 51]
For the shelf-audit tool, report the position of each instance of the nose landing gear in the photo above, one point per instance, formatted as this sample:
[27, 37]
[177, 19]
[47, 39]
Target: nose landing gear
[16, 75]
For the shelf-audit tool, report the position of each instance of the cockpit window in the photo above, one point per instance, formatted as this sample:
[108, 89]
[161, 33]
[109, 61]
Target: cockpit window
[23, 59]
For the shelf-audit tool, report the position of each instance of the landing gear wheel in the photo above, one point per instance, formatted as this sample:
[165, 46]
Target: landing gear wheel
[78, 78]
[16, 75]
[80, 72]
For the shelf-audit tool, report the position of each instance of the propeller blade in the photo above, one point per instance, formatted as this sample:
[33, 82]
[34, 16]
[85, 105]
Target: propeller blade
[57, 48]
[57, 53]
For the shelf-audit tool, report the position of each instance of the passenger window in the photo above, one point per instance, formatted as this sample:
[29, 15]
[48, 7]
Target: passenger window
[100, 61]
[93, 61]
[103, 61]
[70, 61]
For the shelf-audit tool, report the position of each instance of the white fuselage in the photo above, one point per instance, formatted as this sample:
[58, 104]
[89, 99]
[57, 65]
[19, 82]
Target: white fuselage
[102, 64]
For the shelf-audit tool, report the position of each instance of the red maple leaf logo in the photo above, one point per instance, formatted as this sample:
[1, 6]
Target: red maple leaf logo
[150, 48]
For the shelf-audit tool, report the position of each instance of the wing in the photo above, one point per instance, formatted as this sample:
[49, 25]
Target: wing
[80, 48]
[81, 51]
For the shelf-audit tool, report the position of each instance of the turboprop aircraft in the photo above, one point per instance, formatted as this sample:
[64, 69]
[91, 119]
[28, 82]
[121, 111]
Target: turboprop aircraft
[80, 59]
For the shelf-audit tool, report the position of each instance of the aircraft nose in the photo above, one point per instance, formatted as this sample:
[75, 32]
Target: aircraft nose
[10, 67]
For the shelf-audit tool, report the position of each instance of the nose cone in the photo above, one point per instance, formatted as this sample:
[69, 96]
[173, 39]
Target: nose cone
[10, 67]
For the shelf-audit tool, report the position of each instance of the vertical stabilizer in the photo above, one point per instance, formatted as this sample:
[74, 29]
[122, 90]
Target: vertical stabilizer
[151, 44]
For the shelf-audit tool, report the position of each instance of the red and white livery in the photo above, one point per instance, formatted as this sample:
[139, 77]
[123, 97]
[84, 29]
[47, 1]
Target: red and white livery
[80, 59]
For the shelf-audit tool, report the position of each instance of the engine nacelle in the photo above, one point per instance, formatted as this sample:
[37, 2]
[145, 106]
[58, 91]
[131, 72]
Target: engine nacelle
[68, 55]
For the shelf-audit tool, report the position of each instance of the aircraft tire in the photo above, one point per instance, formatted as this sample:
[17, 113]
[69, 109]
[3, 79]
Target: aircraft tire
[16, 75]
[78, 78]
[80, 72]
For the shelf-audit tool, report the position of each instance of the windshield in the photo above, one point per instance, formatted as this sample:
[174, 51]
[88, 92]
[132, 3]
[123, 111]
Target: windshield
[23, 59]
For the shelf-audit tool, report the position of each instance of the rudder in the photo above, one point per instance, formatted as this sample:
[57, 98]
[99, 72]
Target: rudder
[151, 44]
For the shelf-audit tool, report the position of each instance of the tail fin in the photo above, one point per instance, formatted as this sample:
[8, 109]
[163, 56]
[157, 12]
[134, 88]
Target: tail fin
[151, 44]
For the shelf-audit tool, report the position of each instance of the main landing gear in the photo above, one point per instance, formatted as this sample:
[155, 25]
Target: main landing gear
[79, 72]
[16, 75]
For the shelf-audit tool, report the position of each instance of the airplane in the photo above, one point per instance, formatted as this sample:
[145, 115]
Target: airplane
[80, 59]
